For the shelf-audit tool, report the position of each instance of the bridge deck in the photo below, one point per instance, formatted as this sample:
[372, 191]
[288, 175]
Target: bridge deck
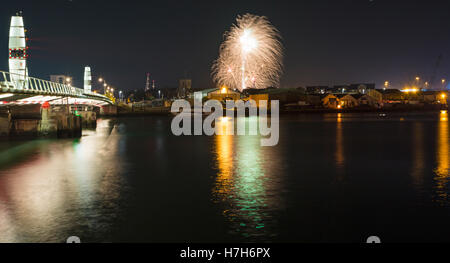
[17, 89]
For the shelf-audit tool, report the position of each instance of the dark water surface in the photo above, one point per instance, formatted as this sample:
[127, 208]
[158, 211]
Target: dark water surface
[331, 178]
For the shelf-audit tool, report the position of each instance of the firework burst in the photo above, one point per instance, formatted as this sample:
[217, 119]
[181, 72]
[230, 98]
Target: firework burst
[250, 56]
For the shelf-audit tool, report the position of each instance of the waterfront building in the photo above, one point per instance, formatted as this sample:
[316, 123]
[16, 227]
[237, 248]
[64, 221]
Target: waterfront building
[339, 89]
[316, 89]
[310, 100]
[62, 79]
[368, 100]
[347, 100]
[223, 94]
[362, 88]
[434, 97]
[184, 88]
[258, 97]
[391, 95]
[330, 101]
[340, 101]
[375, 94]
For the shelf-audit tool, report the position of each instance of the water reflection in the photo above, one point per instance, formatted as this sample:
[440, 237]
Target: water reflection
[442, 169]
[247, 184]
[339, 154]
[54, 192]
[418, 155]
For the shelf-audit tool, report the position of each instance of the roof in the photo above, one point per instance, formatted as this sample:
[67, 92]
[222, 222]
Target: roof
[358, 96]
[208, 90]
[430, 92]
[354, 95]
[388, 91]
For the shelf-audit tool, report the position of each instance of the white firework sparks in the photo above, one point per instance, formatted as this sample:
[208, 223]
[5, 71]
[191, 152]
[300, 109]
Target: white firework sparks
[250, 56]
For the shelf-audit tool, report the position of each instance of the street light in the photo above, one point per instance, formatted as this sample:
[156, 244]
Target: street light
[102, 80]
[69, 80]
[106, 88]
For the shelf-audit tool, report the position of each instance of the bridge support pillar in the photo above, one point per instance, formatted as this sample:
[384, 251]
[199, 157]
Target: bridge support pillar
[5, 124]
[108, 110]
[42, 121]
[88, 119]
[47, 126]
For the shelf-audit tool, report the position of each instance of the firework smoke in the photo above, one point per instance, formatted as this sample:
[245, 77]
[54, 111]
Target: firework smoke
[250, 56]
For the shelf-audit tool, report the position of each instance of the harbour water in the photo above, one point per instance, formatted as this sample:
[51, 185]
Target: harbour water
[331, 178]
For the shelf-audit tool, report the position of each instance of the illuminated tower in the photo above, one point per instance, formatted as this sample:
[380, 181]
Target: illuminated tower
[87, 79]
[147, 83]
[17, 52]
[153, 84]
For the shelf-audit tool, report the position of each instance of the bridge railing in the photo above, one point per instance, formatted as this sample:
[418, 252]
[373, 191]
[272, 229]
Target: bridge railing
[10, 82]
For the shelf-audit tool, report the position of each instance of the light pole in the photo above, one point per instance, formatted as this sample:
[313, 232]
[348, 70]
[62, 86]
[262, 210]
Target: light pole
[417, 82]
[105, 85]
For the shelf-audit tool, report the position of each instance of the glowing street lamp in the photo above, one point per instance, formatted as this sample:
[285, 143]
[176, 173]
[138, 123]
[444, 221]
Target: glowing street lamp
[105, 85]
[68, 80]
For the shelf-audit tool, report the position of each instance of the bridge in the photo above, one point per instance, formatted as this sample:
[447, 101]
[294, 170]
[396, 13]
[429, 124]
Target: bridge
[35, 107]
[17, 87]
[29, 90]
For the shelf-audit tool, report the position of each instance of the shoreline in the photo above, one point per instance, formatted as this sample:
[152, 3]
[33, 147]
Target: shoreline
[166, 111]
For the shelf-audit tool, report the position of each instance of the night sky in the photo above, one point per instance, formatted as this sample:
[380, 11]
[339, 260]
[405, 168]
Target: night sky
[326, 42]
